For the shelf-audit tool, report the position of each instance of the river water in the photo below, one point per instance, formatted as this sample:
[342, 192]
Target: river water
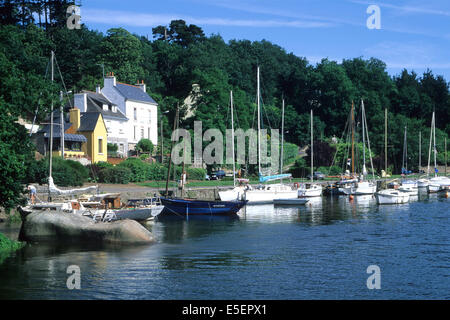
[319, 251]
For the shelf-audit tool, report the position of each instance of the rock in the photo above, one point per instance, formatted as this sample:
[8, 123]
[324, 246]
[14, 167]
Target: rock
[69, 227]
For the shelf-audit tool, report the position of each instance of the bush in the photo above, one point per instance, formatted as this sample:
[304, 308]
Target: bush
[140, 170]
[94, 169]
[69, 173]
[334, 171]
[196, 173]
[66, 173]
[144, 145]
[115, 174]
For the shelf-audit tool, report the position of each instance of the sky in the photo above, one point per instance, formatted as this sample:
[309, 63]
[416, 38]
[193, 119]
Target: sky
[412, 34]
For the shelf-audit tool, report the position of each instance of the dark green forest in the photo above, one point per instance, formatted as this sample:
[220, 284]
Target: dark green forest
[180, 54]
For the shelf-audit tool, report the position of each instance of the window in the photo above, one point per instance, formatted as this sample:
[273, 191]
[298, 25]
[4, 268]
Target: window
[148, 133]
[121, 149]
[134, 135]
[100, 145]
[149, 116]
[142, 133]
[135, 113]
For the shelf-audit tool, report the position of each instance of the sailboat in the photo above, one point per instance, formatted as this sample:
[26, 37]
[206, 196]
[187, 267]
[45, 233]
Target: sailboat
[185, 207]
[437, 183]
[310, 189]
[409, 186]
[263, 193]
[363, 187]
[238, 191]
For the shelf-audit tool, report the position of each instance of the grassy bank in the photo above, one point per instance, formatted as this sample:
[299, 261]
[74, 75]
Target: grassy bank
[217, 183]
[7, 246]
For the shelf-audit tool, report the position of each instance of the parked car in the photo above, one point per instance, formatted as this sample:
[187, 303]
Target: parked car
[217, 175]
[317, 176]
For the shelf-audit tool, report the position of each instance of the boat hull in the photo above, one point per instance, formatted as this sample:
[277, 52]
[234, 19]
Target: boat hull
[392, 197]
[187, 207]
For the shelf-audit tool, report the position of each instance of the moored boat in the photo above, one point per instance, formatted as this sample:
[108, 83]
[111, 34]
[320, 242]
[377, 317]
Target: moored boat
[188, 207]
[391, 196]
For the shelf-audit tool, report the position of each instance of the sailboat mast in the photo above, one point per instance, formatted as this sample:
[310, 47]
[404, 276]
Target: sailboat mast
[420, 150]
[312, 148]
[353, 141]
[434, 143]
[170, 155]
[429, 148]
[259, 124]
[62, 124]
[385, 140]
[364, 139]
[51, 129]
[282, 137]
[232, 138]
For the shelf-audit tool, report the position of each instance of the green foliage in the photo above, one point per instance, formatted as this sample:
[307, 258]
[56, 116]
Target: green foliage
[144, 145]
[139, 169]
[115, 174]
[7, 246]
[300, 168]
[196, 173]
[112, 147]
[170, 66]
[68, 172]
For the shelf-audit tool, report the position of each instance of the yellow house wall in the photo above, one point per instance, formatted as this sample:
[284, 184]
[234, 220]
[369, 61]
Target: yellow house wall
[91, 147]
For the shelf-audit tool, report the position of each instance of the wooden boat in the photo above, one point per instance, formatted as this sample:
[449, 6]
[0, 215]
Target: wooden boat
[188, 207]
[392, 196]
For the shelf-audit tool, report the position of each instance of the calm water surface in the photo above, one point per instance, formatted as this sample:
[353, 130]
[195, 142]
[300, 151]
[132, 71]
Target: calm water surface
[319, 251]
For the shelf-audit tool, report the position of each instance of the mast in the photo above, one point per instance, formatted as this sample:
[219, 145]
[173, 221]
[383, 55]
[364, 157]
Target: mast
[353, 141]
[445, 144]
[364, 171]
[434, 144]
[51, 129]
[385, 140]
[429, 148]
[232, 138]
[170, 155]
[420, 150]
[405, 154]
[282, 137]
[259, 124]
[62, 125]
[312, 148]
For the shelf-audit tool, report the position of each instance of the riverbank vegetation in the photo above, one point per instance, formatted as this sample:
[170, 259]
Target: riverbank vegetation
[7, 246]
[178, 57]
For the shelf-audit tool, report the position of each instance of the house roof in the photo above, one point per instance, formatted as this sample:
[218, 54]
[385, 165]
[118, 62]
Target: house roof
[95, 102]
[57, 133]
[88, 121]
[134, 93]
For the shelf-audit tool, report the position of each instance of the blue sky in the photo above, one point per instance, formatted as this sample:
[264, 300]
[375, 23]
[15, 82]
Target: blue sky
[414, 34]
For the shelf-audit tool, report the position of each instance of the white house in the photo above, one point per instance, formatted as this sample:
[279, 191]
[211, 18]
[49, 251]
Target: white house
[137, 106]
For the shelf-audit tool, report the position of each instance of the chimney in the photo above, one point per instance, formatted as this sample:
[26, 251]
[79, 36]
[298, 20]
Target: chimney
[97, 89]
[142, 85]
[80, 101]
[110, 80]
[75, 118]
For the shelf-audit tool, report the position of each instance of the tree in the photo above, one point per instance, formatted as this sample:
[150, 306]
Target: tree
[15, 150]
[179, 32]
[121, 54]
[144, 145]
